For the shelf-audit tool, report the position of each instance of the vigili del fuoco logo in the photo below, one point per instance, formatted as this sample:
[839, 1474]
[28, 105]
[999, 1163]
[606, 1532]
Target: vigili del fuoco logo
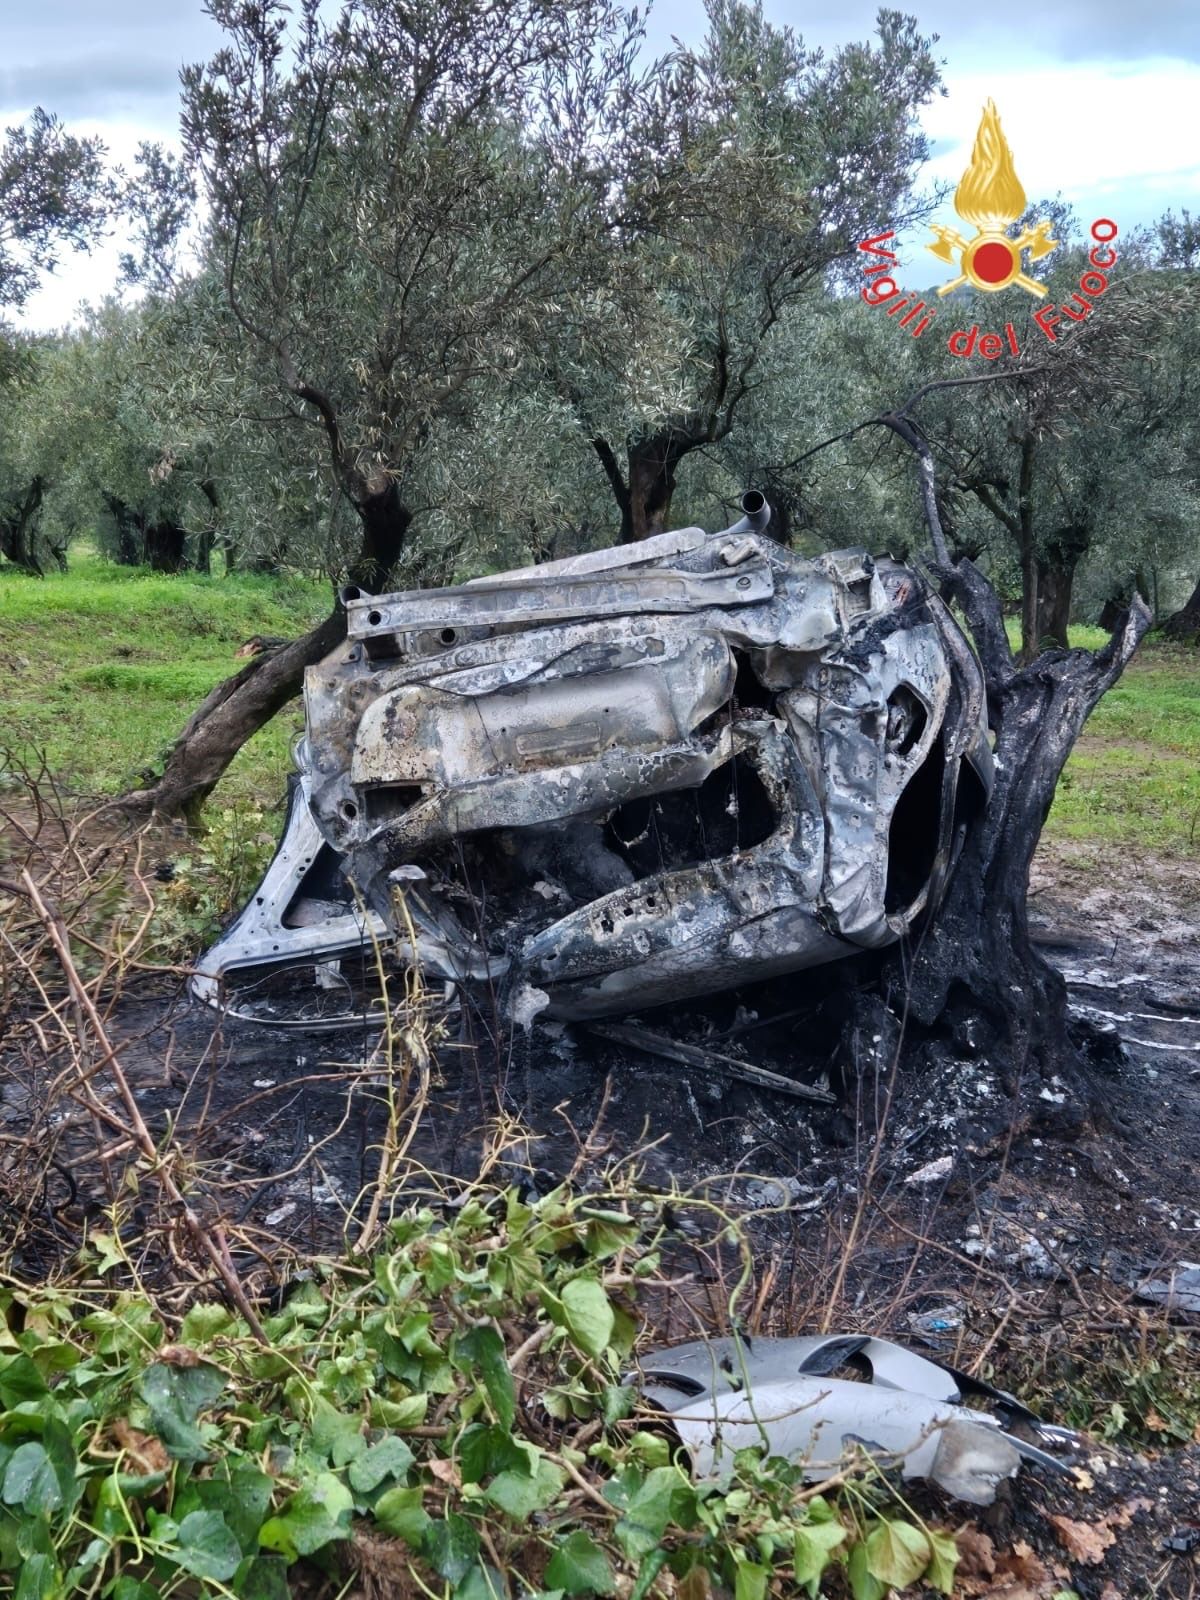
[990, 199]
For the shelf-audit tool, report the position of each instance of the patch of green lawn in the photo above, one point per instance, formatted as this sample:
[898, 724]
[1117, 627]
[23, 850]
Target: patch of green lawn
[1134, 776]
[103, 664]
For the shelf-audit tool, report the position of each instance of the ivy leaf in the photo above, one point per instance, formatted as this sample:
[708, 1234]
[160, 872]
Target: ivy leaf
[483, 1348]
[20, 1380]
[205, 1322]
[608, 1232]
[579, 1566]
[751, 1581]
[127, 1588]
[38, 1579]
[897, 1553]
[519, 1495]
[400, 1512]
[316, 1515]
[241, 1493]
[665, 1496]
[651, 1448]
[617, 1403]
[451, 1547]
[30, 1480]
[260, 1578]
[176, 1396]
[335, 1434]
[589, 1316]
[91, 1556]
[862, 1585]
[390, 1458]
[207, 1546]
[108, 1249]
[943, 1560]
[482, 1583]
[650, 1568]
[399, 1414]
[483, 1451]
[814, 1543]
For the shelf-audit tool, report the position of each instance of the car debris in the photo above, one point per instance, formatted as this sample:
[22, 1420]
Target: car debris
[629, 777]
[821, 1399]
[1180, 1291]
[687, 1055]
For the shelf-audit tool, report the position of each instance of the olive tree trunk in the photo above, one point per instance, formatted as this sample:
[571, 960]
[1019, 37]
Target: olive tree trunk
[976, 963]
[974, 971]
[239, 706]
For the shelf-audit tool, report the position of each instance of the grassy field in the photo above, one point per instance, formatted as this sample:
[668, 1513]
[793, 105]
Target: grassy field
[103, 664]
[1134, 776]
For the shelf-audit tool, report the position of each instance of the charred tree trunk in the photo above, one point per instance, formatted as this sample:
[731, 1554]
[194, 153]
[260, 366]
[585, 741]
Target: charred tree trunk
[1184, 625]
[973, 973]
[18, 530]
[237, 708]
[976, 961]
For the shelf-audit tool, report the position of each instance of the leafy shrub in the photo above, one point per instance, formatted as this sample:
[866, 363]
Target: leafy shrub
[211, 882]
[446, 1416]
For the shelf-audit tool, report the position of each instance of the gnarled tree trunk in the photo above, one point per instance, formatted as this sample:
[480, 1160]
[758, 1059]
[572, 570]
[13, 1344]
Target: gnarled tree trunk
[238, 707]
[129, 530]
[974, 972]
[164, 547]
[1056, 564]
[18, 530]
[1184, 625]
[976, 963]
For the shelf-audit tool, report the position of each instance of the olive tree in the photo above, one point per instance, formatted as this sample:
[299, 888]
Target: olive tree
[396, 202]
[751, 172]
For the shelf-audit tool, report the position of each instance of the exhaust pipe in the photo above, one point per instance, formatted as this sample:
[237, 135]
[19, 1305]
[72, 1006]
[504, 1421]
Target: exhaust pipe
[757, 513]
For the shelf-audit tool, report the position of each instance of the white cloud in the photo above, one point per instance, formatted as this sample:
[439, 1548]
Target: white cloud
[1087, 130]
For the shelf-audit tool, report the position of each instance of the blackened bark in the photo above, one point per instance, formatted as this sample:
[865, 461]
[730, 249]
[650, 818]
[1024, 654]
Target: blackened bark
[1184, 625]
[973, 971]
[977, 959]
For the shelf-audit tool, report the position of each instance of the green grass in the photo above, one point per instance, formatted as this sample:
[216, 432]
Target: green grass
[1134, 776]
[102, 666]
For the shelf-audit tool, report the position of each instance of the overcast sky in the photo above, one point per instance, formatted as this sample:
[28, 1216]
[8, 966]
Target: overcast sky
[1097, 99]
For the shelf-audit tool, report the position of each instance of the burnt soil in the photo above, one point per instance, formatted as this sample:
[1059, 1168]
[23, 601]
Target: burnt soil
[994, 1222]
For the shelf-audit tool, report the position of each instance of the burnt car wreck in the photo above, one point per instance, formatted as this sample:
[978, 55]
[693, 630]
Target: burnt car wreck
[629, 777]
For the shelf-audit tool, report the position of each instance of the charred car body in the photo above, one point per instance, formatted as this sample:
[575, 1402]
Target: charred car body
[630, 777]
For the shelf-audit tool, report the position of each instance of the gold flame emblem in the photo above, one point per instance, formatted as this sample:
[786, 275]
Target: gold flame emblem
[991, 198]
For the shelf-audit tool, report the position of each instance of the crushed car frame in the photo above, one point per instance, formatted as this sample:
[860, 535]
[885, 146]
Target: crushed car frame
[629, 777]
